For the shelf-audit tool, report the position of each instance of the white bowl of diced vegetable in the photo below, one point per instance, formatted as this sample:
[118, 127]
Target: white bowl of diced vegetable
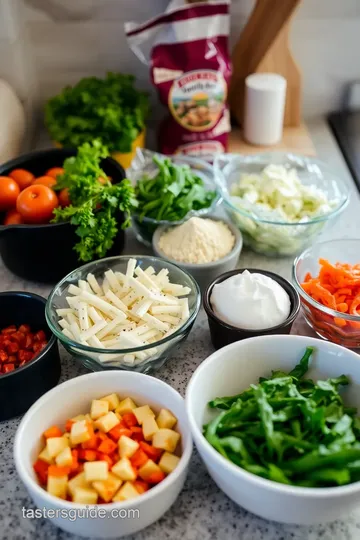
[123, 312]
[286, 445]
[127, 438]
[281, 202]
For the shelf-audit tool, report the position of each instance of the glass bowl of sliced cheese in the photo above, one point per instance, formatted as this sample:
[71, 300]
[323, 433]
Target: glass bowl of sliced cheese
[123, 312]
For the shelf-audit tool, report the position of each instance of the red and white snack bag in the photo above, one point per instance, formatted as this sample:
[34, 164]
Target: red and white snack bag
[187, 50]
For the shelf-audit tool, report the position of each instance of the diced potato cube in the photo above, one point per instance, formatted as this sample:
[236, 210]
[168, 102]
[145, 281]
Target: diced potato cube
[45, 456]
[118, 416]
[57, 486]
[165, 419]
[79, 417]
[125, 406]
[79, 432]
[113, 400]
[168, 462]
[127, 447]
[149, 427]
[96, 470]
[64, 459]
[107, 488]
[107, 422]
[78, 481]
[124, 470]
[166, 439]
[148, 469]
[126, 492]
[55, 445]
[98, 408]
[85, 496]
[143, 412]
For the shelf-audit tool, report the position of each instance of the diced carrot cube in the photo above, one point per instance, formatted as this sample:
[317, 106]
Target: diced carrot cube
[129, 420]
[87, 455]
[156, 477]
[137, 433]
[41, 468]
[68, 425]
[53, 431]
[91, 444]
[116, 432]
[102, 436]
[107, 447]
[104, 457]
[150, 451]
[55, 470]
[139, 458]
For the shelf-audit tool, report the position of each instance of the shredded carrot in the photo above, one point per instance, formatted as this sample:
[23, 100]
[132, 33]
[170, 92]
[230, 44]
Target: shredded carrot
[337, 287]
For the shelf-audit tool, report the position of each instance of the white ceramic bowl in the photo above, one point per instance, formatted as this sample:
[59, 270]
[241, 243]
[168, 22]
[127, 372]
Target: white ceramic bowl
[74, 397]
[232, 369]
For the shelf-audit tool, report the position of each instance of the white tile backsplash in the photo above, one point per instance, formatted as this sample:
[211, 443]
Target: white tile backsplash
[70, 39]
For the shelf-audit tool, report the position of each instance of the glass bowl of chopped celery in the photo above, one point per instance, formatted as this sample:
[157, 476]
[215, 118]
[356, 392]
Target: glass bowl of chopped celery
[123, 312]
[170, 190]
[281, 202]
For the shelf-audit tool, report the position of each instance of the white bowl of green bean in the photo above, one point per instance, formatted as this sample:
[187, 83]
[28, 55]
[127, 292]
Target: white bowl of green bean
[287, 449]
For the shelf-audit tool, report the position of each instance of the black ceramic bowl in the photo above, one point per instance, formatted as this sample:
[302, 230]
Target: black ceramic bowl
[21, 387]
[45, 253]
[223, 333]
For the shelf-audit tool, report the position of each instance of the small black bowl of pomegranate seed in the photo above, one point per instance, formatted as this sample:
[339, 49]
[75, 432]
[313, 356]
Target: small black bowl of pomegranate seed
[29, 354]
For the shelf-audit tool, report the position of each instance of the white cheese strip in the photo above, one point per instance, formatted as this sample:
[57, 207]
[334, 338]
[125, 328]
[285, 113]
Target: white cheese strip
[105, 286]
[176, 290]
[117, 302]
[112, 280]
[110, 357]
[84, 286]
[110, 327]
[149, 334]
[75, 330]
[168, 318]
[95, 342]
[129, 359]
[150, 271]
[156, 310]
[166, 299]
[142, 307]
[130, 271]
[72, 318]
[64, 311]
[130, 298]
[142, 329]
[141, 289]
[171, 331]
[185, 313]
[73, 289]
[83, 316]
[155, 323]
[68, 334]
[120, 277]
[64, 324]
[145, 279]
[127, 341]
[105, 307]
[162, 277]
[93, 330]
[73, 301]
[91, 279]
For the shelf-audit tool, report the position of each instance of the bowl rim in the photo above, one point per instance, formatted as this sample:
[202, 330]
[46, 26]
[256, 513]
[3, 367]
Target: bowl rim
[237, 471]
[284, 283]
[34, 409]
[238, 244]
[306, 296]
[20, 162]
[87, 348]
[226, 197]
[45, 350]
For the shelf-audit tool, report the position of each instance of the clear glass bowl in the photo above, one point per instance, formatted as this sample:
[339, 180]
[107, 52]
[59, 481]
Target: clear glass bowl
[156, 353]
[143, 164]
[274, 238]
[329, 324]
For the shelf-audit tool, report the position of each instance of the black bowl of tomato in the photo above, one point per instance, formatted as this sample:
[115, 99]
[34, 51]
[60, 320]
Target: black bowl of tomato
[29, 354]
[45, 252]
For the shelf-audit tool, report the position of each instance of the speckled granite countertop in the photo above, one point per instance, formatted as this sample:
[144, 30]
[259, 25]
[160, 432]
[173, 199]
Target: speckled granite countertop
[202, 510]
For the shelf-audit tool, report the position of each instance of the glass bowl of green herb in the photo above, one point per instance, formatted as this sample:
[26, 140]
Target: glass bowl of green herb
[276, 421]
[169, 191]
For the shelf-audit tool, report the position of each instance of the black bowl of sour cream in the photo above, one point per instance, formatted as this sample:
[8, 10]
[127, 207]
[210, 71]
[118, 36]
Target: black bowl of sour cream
[248, 302]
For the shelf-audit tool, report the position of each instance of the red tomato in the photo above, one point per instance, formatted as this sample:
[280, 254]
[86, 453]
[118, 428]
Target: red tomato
[9, 190]
[48, 181]
[22, 177]
[12, 217]
[55, 171]
[36, 204]
[64, 198]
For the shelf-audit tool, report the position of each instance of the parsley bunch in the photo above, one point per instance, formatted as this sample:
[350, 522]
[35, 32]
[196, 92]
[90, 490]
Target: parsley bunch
[94, 206]
[110, 109]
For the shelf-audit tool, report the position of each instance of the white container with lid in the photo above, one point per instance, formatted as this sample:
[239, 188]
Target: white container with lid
[265, 95]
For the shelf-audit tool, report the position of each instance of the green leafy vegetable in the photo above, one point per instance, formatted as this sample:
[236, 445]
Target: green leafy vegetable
[96, 207]
[290, 430]
[110, 109]
[172, 193]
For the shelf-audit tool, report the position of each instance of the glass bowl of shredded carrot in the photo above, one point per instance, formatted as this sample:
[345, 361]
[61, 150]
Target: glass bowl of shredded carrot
[327, 278]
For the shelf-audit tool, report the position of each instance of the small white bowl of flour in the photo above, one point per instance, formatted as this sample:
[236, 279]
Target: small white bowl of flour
[205, 247]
